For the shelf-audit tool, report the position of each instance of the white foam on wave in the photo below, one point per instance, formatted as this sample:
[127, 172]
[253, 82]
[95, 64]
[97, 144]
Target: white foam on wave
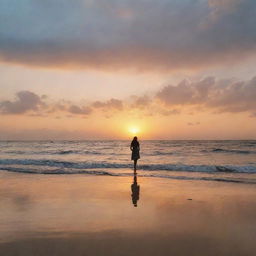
[108, 165]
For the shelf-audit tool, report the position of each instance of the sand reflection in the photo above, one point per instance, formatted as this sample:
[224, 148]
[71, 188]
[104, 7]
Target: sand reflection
[92, 215]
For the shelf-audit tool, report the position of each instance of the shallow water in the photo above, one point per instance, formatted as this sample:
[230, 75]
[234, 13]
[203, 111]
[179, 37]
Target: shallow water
[233, 161]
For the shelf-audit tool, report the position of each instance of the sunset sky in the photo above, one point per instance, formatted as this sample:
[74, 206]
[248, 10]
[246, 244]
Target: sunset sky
[108, 69]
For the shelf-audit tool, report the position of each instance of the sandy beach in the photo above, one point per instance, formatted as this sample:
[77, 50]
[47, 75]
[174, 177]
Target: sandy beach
[95, 215]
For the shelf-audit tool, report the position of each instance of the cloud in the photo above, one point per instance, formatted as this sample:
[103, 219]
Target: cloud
[110, 104]
[208, 94]
[73, 109]
[222, 95]
[29, 101]
[141, 101]
[186, 92]
[192, 124]
[26, 101]
[167, 112]
[224, 6]
[133, 34]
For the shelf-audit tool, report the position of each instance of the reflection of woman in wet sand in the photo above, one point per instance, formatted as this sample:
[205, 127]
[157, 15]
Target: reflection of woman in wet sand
[135, 190]
[135, 148]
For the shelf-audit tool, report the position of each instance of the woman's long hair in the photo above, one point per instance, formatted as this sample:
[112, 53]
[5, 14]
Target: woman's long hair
[135, 142]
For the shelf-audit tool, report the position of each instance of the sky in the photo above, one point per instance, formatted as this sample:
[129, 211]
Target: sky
[112, 69]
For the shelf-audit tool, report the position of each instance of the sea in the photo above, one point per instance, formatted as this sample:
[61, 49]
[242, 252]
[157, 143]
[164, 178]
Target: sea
[207, 160]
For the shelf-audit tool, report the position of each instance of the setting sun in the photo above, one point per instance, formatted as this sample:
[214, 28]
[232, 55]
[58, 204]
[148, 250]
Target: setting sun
[134, 130]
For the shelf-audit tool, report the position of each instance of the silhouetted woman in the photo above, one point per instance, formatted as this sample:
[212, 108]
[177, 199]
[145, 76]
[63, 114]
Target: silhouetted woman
[135, 148]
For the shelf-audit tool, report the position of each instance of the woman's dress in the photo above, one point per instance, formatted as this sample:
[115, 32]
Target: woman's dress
[135, 151]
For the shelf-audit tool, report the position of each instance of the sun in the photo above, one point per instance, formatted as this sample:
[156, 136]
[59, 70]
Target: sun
[134, 130]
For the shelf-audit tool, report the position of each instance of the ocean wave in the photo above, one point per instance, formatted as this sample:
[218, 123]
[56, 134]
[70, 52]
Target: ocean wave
[109, 165]
[63, 164]
[87, 152]
[16, 152]
[55, 171]
[130, 174]
[220, 150]
[51, 152]
[64, 152]
[162, 153]
[158, 153]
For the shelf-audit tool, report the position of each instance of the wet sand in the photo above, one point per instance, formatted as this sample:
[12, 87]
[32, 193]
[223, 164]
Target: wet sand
[95, 215]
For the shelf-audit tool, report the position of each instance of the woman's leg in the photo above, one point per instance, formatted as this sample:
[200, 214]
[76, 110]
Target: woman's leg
[135, 164]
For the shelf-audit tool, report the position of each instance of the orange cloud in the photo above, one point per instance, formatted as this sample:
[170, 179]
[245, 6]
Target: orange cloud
[209, 94]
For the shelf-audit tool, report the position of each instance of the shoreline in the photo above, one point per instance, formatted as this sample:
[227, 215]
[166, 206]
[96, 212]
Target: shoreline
[230, 177]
